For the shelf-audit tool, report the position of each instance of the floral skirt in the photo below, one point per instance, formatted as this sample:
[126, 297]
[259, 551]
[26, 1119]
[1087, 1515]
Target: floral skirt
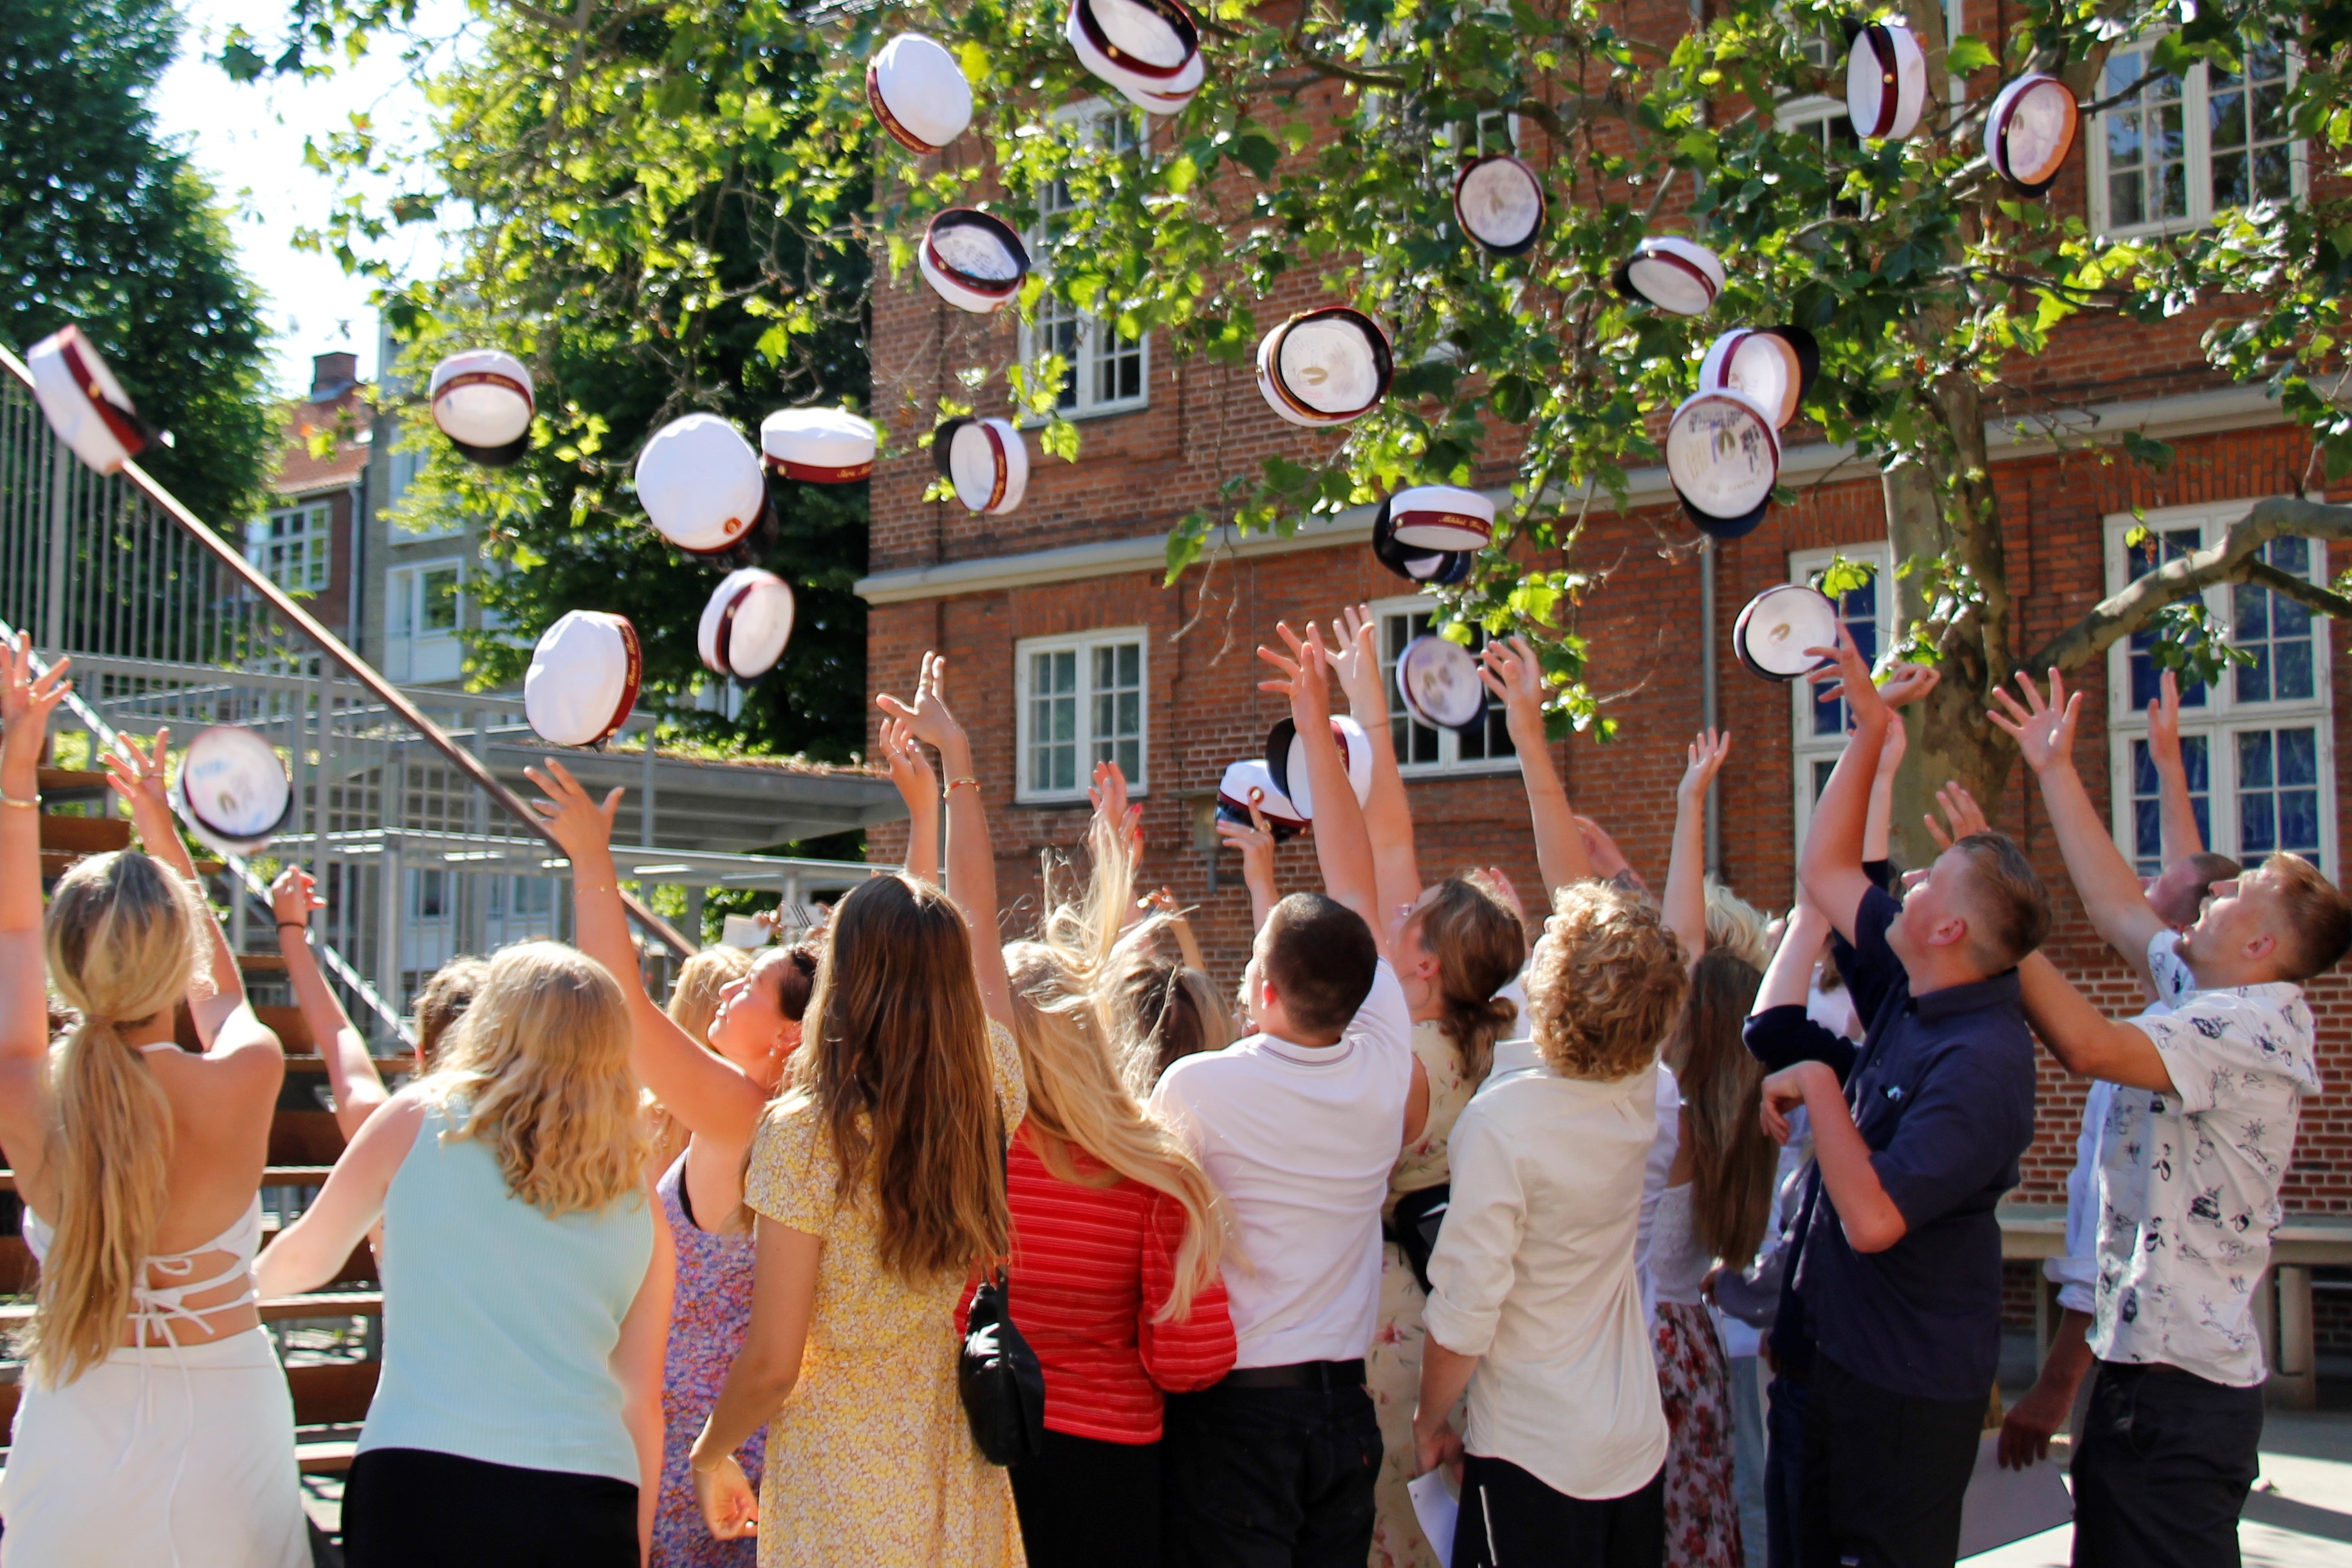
[1695, 1381]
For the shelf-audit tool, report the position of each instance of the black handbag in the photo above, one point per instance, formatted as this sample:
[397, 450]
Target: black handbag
[1419, 1214]
[999, 1376]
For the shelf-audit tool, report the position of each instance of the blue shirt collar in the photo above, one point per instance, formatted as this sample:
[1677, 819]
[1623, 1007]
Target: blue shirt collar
[1999, 990]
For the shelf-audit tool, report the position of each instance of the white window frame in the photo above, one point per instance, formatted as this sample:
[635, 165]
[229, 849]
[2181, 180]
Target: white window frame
[1084, 644]
[1450, 762]
[1087, 357]
[403, 586]
[2197, 155]
[1805, 748]
[316, 535]
[2223, 715]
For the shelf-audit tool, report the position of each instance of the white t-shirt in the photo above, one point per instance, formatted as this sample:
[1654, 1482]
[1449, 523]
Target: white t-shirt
[1300, 1140]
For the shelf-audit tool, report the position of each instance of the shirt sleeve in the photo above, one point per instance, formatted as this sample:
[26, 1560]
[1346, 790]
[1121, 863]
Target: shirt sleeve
[1471, 1271]
[2217, 1044]
[2174, 981]
[1964, 1128]
[2077, 1274]
[1173, 1111]
[1870, 967]
[1384, 1022]
[1784, 1036]
[1181, 1355]
[790, 1175]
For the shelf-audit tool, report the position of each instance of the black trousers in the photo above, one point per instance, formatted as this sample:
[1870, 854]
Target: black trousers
[1508, 1518]
[1883, 1474]
[403, 1508]
[1784, 1467]
[1085, 1503]
[1270, 1478]
[2162, 1468]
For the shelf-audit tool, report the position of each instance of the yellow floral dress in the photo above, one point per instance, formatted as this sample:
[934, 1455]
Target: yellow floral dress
[869, 1461]
[1392, 1369]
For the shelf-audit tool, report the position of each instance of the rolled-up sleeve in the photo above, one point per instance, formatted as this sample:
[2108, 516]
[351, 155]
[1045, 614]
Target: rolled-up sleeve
[1471, 1271]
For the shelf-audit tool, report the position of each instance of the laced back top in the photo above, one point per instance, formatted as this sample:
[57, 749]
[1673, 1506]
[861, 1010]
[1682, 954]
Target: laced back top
[156, 1309]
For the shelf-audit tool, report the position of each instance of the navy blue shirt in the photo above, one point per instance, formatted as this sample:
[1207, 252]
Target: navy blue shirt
[1943, 1094]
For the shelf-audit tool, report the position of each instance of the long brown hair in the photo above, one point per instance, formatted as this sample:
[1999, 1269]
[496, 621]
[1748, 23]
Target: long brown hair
[1479, 944]
[895, 1055]
[124, 939]
[1732, 1160]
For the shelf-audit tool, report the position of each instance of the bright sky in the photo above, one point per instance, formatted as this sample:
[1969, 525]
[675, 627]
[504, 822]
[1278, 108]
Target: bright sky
[248, 138]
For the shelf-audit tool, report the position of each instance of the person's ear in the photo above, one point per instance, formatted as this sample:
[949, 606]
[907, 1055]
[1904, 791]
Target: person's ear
[1949, 932]
[2260, 945]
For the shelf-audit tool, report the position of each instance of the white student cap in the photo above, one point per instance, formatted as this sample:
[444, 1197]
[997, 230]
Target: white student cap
[985, 460]
[1774, 365]
[821, 445]
[1885, 80]
[582, 679]
[1779, 624]
[2028, 130]
[1499, 201]
[699, 482]
[481, 398]
[918, 93]
[1325, 366]
[972, 259]
[233, 791]
[1250, 778]
[1286, 758]
[1672, 273]
[1724, 456]
[1147, 49]
[84, 403]
[746, 624]
[1441, 517]
[1438, 682]
[1442, 568]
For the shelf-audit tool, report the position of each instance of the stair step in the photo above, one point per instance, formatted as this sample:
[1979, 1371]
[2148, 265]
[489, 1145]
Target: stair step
[85, 835]
[57, 863]
[261, 963]
[72, 780]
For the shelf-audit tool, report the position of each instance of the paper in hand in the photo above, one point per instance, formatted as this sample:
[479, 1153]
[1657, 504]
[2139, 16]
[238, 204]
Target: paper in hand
[1434, 1506]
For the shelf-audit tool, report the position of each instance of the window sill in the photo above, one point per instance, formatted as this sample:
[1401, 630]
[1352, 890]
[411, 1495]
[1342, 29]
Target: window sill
[1082, 416]
[1057, 802]
[1438, 773]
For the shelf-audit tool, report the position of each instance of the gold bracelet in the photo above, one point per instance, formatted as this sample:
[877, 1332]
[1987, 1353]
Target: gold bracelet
[953, 782]
[32, 805]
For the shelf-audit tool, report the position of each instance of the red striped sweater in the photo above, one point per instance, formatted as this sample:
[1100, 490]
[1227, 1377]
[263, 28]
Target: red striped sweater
[1091, 1266]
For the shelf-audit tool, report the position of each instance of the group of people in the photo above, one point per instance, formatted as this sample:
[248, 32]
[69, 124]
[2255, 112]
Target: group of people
[687, 1285]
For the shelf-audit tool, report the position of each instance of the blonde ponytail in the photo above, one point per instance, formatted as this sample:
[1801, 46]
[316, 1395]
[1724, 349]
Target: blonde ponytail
[122, 942]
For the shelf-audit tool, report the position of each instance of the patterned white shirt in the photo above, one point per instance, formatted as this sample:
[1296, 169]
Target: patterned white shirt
[2191, 1178]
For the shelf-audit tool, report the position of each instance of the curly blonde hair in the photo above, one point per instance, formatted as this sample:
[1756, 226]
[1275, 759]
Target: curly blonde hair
[1606, 983]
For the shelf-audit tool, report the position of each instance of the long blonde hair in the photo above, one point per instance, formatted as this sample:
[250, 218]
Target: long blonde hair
[538, 1070]
[123, 942]
[695, 995]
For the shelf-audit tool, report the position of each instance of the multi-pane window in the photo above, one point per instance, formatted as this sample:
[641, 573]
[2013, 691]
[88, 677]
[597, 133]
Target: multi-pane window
[1107, 373]
[2255, 744]
[1819, 722]
[1418, 748]
[292, 545]
[423, 606]
[1081, 701]
[2177, 150]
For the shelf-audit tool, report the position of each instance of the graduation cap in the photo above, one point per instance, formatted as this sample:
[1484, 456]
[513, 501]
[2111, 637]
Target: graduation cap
[1325, 367]
[1499, 202]
[2028, 130]
[233, 791]
[1443, 568]
[1723, 454]
[972, 259]
[1286, 758]
[699, 482]
[746, 624]
[1438, 682]
[582, 679]
[986, 461]
[1885, 81]
[481, 398]
[1147, 49]
[1250, 780]
[819, 445]
[1441, 517]
[918, 93]
[1672, 273]
[1777, 625]
[1774, 365]
[85, 404]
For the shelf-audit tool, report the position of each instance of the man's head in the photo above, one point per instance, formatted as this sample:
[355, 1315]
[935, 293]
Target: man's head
[1311, 969]
[1606, 983]
[2281, 920]
[1977, 911]
[2179, 892]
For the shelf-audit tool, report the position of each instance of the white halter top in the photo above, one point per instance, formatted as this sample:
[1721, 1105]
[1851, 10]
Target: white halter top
[157, 1308]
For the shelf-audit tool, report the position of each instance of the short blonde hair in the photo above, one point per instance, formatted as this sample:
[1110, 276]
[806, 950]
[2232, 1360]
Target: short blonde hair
[2318, 921]
[1737, 925]
[1606, 983]
[694, 996]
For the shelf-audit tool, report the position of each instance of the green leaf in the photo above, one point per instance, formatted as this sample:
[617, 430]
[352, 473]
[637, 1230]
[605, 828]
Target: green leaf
[1258, 153]
[1969, 53]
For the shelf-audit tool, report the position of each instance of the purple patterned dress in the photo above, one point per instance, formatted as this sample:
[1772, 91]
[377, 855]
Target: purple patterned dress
[706, 1328]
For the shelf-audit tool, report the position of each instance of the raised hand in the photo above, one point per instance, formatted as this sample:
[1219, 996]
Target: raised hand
[1783, 1092]
[1891, 750]
[1514, 676]
[1961, 810]
[1705, 755]
[1112, 810]
[2163, 721]
[927, 718]
[909, 769]
[2043, 730]
[571, 815]
[1507, 891]
[1305, 677]
[293, 896]
[139, 776]
[1355, 656]
[1907, 683]
[26, 700]
[1849, 677]
[1253, 837]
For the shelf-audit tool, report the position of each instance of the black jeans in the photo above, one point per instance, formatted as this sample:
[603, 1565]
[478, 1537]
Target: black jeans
[1270, 1478]
[1784, 1467]
[406, 1507]
[2162, 1468]
[1085, 1503]
[1885, 1474]
[1509, 1518]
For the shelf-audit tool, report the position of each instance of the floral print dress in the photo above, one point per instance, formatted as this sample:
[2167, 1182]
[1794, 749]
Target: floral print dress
[1695, 1385]
[713, 1305]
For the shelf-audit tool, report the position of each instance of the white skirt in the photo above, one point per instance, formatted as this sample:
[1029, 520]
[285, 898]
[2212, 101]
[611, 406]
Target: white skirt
[158, 1459]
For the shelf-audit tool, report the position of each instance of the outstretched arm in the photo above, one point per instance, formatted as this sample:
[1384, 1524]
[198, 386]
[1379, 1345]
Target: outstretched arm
[1256, 842]
[918, 787]
[2087, 1042]
[971, 858]
[1872, 1221]
[26, 704]
[1355, 659]
[1686, 900]
[1831, 866]
[1342, 847]
[2177, 814]
[138, 776]
[2109, 888]
[1514, 676]
[351, 1077]
[1789, 977]
[1878, 828]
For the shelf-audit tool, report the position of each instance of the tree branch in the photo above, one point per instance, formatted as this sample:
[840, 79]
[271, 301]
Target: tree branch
[2303, 590]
